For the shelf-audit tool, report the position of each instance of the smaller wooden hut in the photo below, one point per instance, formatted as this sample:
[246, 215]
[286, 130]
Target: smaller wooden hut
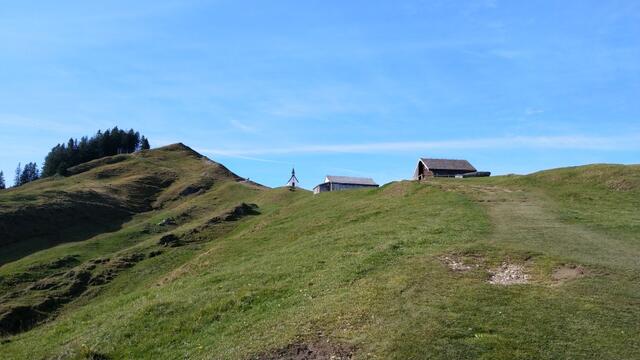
[339, 183]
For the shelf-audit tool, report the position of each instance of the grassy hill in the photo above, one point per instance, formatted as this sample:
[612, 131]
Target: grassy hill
[164, 254]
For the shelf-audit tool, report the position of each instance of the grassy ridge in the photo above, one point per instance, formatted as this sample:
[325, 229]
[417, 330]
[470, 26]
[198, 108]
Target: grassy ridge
[605, 197]
[364, 269]
[101, 197]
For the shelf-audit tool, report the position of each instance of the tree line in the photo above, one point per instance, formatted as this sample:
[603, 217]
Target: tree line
[63, 156]
[107, 143]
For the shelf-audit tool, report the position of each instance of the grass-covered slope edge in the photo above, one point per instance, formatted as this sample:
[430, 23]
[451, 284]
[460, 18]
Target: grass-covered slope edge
[399, 272]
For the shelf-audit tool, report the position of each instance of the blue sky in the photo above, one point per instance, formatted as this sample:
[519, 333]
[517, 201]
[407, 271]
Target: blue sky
[332, 87]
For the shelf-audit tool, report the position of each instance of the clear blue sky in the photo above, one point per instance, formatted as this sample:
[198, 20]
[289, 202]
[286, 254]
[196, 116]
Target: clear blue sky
[332, 87]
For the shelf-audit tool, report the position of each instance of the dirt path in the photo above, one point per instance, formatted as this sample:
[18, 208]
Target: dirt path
[525, 220]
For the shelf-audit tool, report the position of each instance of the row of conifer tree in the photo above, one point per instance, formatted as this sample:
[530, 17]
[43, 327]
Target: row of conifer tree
[63, 156]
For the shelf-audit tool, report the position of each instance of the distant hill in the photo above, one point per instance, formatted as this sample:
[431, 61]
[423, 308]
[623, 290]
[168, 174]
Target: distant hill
[165, 254]
[103, 194]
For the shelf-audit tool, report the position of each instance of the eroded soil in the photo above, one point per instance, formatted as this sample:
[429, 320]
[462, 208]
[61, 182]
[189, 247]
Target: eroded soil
[316, 350]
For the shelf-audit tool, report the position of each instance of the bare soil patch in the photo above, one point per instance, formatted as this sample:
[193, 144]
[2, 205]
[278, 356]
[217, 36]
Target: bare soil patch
[620, 184]
[568, 273]
[317, 350]
[459, 264]
[508, 274]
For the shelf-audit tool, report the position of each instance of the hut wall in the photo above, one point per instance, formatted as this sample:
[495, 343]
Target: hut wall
[339, 187]
[321, 188]
[448, 173]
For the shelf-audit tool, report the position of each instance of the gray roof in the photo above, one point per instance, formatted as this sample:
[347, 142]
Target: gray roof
[447, 164]
[351, 180]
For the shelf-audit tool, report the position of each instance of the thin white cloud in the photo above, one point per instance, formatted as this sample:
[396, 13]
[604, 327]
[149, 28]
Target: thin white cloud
[576, 142]
[350, 171]
[242, 126]
[533, 111]
[251, 158]
[25, 122]
[491, 3]
[508, 54]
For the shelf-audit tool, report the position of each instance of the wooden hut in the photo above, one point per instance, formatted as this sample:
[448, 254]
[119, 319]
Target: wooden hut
[444, 168]
[338, 183]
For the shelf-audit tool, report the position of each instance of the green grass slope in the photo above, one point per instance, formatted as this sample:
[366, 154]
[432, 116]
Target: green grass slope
[103, 195]
[606, 197]
[400, 272]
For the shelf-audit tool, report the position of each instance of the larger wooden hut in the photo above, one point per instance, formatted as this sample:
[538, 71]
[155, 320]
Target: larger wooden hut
[442, 168]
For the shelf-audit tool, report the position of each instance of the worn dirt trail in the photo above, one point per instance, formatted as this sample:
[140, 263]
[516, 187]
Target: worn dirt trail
[525, 220]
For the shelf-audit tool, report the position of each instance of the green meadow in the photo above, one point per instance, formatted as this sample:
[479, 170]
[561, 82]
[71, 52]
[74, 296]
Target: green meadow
[405, 271]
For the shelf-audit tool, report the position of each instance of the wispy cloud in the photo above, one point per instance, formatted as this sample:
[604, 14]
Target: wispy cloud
[243, 157]
[508, 54]
[242, 126]
[533, 111]
[322, 101]
[25, 122]
[350, 171]
[491, 3]
[577, 142]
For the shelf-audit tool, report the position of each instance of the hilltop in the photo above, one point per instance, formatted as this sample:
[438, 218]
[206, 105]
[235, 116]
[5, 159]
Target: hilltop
[166, 254]
[101, 196]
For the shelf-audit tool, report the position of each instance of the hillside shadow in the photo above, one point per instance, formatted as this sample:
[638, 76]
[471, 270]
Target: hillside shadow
[79, 217]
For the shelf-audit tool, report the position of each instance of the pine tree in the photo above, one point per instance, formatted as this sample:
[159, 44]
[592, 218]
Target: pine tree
[83, 150]
[136, 141]
[144, 144]
[52, 161]
[29, 173]
[2, 184]
[16, 179]
[129, 141]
